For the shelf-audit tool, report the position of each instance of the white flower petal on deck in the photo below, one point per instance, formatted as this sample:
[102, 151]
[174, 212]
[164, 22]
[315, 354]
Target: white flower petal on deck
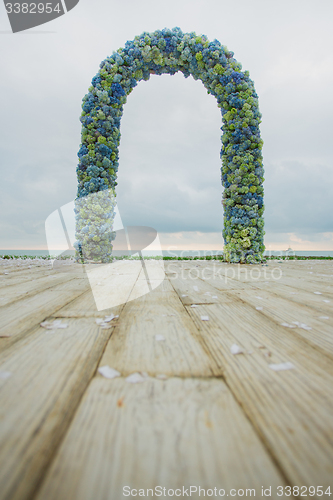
[214, 297]
[281, 366]
[4, 375]
[287, 325]
[159, 337]
[259, 308]
[235, 349]
[58, 324]
[259, 298]
[195, 288]
[46, 324]
[107, 319]
[324, 317]
[184, 295]
[49, 325]
[327, 301]
[305, 326]
[194, 305]
[204, 318]
[207, 293]
[161, 376]
[102, 323]
[108, 372]
[318, 293]
[136, 378]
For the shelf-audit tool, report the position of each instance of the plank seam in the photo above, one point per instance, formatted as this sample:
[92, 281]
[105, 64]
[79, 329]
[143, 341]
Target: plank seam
[301, 338]
[12, 341]
[40, 482]
[256, 428]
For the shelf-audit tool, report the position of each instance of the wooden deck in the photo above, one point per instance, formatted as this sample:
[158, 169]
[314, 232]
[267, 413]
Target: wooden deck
[204, 416]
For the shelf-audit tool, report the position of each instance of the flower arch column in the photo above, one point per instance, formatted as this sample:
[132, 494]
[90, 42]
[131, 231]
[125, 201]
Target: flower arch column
[169, 51]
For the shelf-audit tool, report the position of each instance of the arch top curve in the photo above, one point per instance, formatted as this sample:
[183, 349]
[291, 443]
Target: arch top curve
[168, 51]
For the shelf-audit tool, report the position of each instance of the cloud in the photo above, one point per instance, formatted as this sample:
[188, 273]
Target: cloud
[298, 197]
[169, 175]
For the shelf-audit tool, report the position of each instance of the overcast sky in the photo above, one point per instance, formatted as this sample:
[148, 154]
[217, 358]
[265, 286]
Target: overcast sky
[169, 173]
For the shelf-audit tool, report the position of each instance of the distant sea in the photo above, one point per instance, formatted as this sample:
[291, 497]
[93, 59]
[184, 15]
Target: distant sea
[173, 253]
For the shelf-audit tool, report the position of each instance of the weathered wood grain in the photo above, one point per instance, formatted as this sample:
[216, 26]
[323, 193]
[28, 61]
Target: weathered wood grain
[275, 304]
[50, 372]
[16, 274]
[17, 318]
[171, 433]
[14, 292]
[83, 306]
[320, 327]
[291, 410]
[134, 347]
[219, 419]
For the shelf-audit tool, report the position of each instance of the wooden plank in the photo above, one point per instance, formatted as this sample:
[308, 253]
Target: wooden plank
[285, 306]
[242, 317]
[316, 303]
[318, 328]
[6, 281]
[50, 372]
[16, 273]
[291, 410]
[113, 283]
[310, 286]
[36, 273]
[194, 270]
[272, 272]
[171, 433]
[274, 306]
[134, 347]
[83, 306]
[14, 292]
[16, 319]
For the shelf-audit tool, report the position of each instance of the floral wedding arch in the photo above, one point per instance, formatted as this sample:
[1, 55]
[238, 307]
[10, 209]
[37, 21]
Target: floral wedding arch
[169, 51]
